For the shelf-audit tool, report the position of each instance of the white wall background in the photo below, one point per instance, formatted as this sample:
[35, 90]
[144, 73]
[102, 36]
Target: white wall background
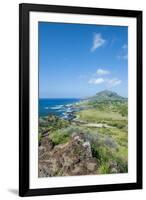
[9, 97]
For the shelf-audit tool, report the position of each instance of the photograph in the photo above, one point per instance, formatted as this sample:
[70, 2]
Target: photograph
[80, 99]
[83, 99]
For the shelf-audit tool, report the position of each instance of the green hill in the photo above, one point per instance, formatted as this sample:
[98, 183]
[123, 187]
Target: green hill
[107, 95]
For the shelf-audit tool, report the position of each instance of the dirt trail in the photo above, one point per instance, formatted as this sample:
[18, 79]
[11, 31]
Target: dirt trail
[94, 125]
[99, 125]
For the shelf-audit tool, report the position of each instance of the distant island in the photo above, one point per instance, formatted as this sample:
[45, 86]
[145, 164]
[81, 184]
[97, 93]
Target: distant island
[88, 136]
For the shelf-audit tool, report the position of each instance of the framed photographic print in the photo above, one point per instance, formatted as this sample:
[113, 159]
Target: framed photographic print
[80, 100]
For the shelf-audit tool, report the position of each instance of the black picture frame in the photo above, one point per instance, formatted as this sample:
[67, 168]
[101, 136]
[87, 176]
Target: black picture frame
[24, 10]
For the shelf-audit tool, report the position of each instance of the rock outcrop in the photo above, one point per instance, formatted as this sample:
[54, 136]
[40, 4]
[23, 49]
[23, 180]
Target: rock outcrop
[72, 158]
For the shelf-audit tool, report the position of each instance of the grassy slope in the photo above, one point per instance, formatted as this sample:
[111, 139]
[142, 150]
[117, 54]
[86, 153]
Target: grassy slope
[93, 115]
[115, 115]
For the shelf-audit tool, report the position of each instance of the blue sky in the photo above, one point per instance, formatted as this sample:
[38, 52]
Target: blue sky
[80, 60]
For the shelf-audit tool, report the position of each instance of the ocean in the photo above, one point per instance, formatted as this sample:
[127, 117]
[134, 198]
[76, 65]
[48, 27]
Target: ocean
[60, 107]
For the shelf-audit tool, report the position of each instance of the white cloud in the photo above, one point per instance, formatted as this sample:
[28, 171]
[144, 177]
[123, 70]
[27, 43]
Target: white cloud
[96, 81]
[113, 82]
[98, 41]
[109, 82]
[102, 72]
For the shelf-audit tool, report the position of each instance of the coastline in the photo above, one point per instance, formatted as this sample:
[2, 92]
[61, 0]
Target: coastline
[61, 107]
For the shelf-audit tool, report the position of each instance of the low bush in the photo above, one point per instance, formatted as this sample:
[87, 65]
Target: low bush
[106, 156]
[104, 169]
[59, 137]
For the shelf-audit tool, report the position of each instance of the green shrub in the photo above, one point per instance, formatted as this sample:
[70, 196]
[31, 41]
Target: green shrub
[105, 155]
[52, 123]
[59, 137]
[122, 164]
[102, 153]
[104, 169]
